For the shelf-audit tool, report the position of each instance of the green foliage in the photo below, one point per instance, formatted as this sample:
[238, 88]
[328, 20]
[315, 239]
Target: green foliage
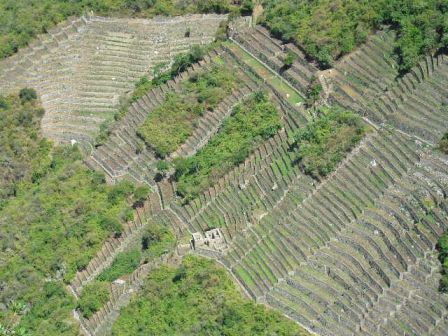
[323, 143]
[160, 76]
[442, 246]
[104, 133]
[141, 88]
[251, 122]
[443, 144]
[23, 153]
[124, 263]
[313, 93]
[22, 20]
[93, 297]
[55, 214]
[27, 95]
[170, 124]
[141, 194]
[60, 222]
[183, 61]
[50, 314]
[157, 239]
[198, 298]
[162, 165]
[289, 59]
[328, 29]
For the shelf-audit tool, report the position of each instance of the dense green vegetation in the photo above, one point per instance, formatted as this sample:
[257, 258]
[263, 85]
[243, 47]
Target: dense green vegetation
[198, 298]
[443, 257]
[443, 144]
[157, 240]
[22, 20]
[328, 29]
[124, 263]
[161, 75]
[170, 124]
[50, 313]
[251, 122]
[323, 143]
[93, 297]
[55, 214]
[22, 150]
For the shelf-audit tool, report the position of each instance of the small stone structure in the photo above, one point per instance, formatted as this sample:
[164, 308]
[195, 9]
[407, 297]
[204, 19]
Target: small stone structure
[213, 240]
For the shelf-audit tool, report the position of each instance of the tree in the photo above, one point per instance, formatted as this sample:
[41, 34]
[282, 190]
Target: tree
[27, 95]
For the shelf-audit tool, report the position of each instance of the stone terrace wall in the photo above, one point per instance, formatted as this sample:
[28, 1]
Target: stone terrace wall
[82, 67]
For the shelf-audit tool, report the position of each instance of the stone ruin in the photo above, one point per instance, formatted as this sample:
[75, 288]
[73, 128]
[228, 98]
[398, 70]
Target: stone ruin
[213, 239]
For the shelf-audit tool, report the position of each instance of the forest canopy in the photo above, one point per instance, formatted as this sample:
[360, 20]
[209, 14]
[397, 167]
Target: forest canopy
[328, 29]
[55, 214]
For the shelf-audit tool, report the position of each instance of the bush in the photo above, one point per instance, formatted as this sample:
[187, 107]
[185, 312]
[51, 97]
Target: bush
[3, 103]
[322, 144]
[141, 194]
[157, 239]
[111, 224]
[251, 122]
[56, 214]
[27, 95]
[123, 264]
[442, 247]
[141, 88]
[313, 93]
[119, 191]
[198, 298]
[171, 123]
[93, 297]
[49, 314]
[443, 144]
[328, 29]
[289, 59]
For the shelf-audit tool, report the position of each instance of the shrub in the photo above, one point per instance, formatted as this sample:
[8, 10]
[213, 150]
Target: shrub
[162, 166]
[443, 144]
[119, 191]
[328, 29]
[104, 133]
[251, 122]
[27, 95]
[50, 312]
[313, 93]
[141, 194]
[198, 298]
[289, 59]
[3, 103]
[112, 225]
[141, 88]
[442, 247]
[323, 143]
[57, 214]
[170, 124]
[157, 239]
[93, 297]
[123, 264]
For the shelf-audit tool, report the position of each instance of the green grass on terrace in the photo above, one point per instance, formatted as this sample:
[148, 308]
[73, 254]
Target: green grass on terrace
[274, 79]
